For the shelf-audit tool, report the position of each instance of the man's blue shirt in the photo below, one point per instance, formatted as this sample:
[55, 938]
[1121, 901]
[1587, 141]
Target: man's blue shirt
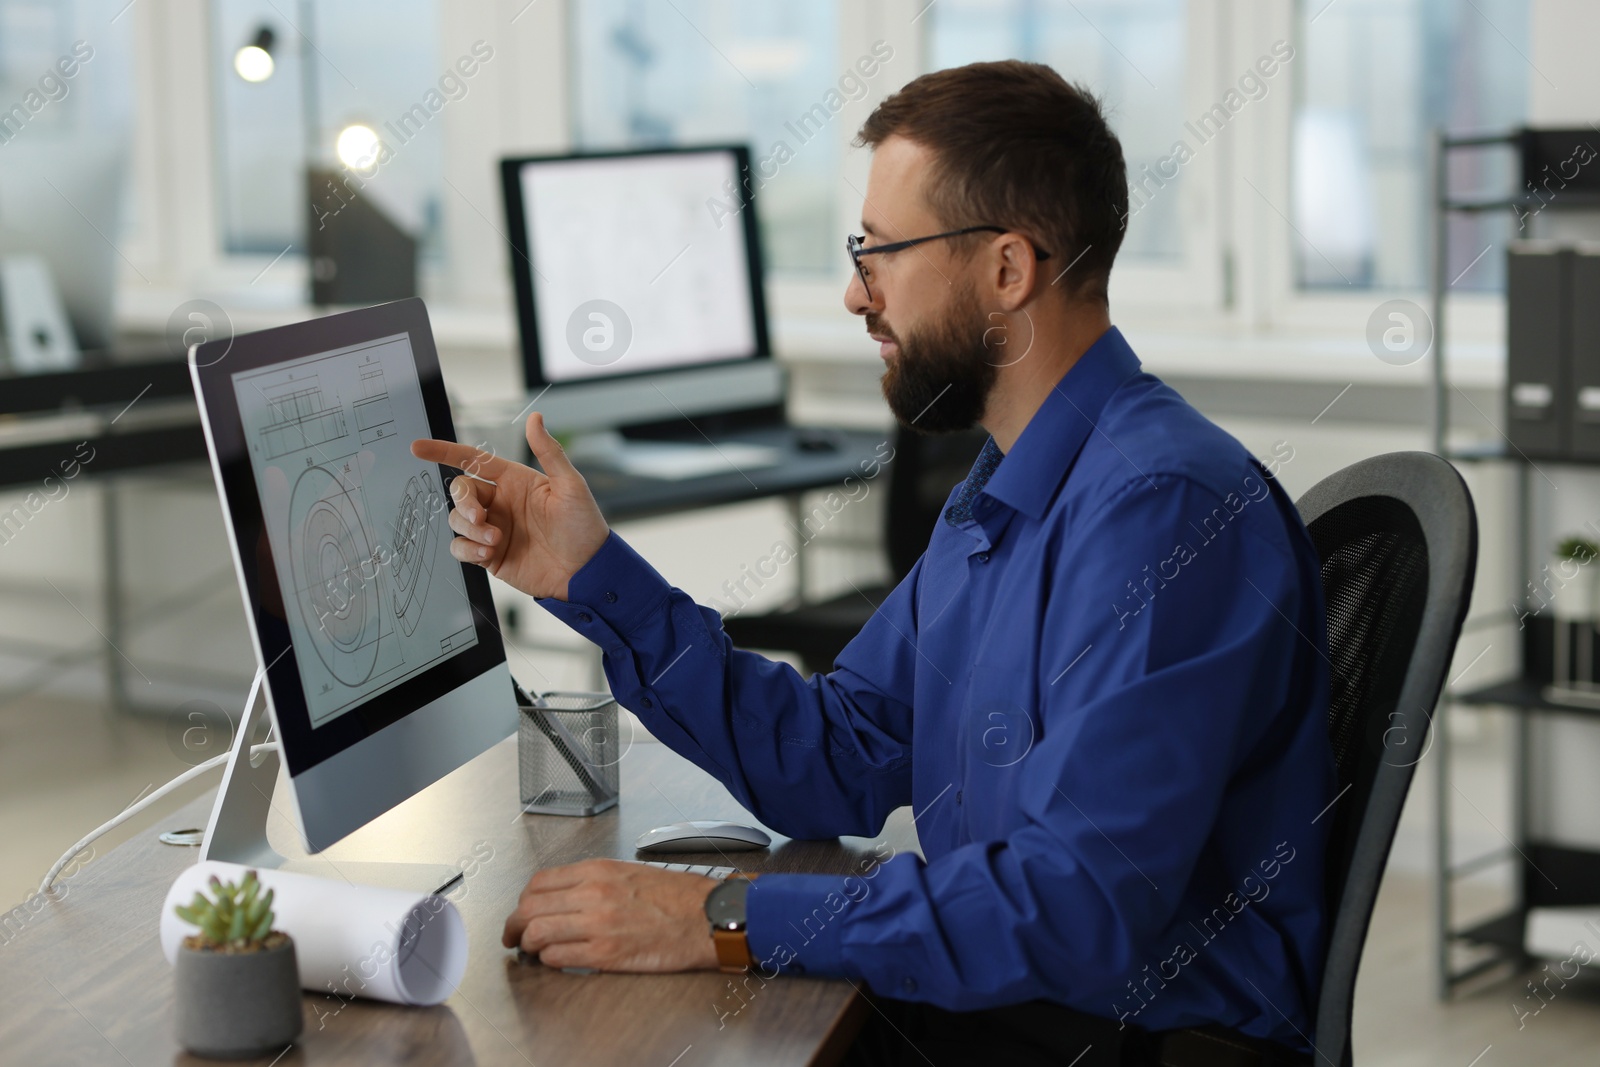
[1103, 692]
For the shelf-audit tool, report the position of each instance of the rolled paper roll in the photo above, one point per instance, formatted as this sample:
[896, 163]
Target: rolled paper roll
[350, 940]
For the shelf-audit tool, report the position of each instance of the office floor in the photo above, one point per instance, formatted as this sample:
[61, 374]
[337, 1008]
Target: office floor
[1400, 1023]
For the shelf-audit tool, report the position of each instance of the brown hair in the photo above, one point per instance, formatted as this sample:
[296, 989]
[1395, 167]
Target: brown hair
[1015, 144]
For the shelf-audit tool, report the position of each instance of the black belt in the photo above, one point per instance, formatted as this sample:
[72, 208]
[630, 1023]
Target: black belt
[1217, 1047]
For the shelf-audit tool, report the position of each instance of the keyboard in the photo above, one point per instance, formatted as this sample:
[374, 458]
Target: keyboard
[691, 868]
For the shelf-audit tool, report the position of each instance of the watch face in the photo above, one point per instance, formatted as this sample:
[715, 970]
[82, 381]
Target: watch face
[725, 905]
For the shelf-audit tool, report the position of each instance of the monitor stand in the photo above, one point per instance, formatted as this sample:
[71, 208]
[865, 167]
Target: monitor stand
[237, 829]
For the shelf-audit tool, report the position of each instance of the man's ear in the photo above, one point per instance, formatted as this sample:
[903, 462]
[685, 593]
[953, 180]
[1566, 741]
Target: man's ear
[1017, 273]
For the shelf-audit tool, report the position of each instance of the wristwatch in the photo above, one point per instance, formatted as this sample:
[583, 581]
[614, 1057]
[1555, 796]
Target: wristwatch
[725, 911]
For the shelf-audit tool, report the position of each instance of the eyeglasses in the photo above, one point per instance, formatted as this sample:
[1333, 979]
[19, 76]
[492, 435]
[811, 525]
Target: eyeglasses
[852, 245]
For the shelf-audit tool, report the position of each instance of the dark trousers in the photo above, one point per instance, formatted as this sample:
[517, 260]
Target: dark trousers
[902, 1034]
[898, 1033]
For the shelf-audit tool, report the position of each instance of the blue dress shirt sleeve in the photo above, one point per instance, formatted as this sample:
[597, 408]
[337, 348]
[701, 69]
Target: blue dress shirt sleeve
[816, 758]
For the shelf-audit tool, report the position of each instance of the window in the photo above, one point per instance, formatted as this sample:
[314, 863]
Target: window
[35, 35]
[66, 109]
[56, 112]
[1131, 52]
[371, 64]
[1377, 77]
[1338, 151]
[719, 71]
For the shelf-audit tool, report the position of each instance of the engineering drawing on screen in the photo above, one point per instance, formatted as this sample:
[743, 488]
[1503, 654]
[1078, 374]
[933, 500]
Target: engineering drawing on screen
[358, 526]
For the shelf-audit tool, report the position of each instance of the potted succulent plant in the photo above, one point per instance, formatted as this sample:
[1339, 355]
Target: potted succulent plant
[238, 983]
[1575, 579]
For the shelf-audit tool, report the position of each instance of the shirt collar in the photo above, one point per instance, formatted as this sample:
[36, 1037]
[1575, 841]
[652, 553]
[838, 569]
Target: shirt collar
[1038, 462]
[983, 469]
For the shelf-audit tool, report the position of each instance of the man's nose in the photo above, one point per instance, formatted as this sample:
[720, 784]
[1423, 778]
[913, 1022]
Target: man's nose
[857, 299]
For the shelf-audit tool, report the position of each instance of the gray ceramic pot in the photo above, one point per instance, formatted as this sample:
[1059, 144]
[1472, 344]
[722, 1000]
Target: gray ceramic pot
[235, 1006]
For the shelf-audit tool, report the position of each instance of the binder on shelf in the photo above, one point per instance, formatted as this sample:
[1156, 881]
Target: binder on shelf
[1538, 411]
[1583, 311]
[1556, 161]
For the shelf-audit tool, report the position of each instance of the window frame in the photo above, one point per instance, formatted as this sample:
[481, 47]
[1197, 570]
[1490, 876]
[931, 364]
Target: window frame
[1477, 318]
[1236, 230]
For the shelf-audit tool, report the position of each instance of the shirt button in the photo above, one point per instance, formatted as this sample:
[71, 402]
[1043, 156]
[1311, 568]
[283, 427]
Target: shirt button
[584, 616]
[958, 796]
[611, 598]
[908, 984]
[647, 702]
[983, 557]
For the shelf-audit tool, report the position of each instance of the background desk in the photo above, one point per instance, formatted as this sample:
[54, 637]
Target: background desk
[853, 454]
[83, 981]
[136, 409]
[109, 385]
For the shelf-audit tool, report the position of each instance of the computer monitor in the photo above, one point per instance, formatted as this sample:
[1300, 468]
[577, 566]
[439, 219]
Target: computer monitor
[639, 287]
[384, 667]
[61, 200]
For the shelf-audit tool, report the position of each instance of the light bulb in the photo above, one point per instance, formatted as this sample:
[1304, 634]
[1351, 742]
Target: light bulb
[357, 147]
[253, 63]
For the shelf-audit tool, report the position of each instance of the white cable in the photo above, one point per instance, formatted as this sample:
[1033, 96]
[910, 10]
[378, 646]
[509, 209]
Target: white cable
[187, 776]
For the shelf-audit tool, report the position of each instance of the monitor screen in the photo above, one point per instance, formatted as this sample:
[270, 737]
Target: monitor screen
[371, 593]
[384, 665]
[634, 263]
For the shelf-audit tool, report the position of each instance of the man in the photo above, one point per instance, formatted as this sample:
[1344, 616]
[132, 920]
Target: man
[1102, 689]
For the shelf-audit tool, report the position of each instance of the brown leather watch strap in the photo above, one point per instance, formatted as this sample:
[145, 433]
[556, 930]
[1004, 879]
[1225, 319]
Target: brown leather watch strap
[733, 951]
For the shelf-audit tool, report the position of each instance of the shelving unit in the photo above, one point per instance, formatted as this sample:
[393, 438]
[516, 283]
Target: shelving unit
[1539, 867]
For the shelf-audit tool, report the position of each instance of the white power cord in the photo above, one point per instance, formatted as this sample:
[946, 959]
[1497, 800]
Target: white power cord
[187, 776]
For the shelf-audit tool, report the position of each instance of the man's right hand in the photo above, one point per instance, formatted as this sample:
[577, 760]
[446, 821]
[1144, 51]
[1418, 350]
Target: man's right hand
[532, 530]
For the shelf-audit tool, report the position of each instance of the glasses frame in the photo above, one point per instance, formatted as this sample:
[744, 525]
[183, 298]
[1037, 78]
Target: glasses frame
[853, 245]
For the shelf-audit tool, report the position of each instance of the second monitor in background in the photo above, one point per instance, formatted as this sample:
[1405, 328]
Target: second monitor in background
[61, 203]
[639, 290]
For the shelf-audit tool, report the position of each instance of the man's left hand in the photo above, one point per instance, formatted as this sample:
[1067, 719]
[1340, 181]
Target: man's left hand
[614, 916]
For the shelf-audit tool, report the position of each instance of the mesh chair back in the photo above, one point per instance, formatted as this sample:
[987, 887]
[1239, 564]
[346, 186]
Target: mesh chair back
[1398, 541]
[1374, 582]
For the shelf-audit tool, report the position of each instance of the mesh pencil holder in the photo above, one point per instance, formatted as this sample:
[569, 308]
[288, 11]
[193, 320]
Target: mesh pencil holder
[567, 753]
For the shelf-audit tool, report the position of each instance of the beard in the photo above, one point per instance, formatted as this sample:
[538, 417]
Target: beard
[941, 379]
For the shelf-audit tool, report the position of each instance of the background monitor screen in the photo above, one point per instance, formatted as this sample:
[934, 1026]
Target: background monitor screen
[634, 263]
[357, 524]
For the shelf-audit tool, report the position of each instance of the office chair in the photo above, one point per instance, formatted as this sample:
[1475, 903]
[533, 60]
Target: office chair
[1398, 540]
[924, 470]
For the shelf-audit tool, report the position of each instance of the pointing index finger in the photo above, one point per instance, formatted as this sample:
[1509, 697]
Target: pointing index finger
[474, 461]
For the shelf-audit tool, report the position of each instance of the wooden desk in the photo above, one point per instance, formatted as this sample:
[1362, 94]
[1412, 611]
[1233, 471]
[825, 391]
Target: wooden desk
[83, 981]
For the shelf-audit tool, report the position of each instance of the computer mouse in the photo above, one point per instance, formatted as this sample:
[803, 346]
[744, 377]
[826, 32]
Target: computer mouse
[702, 836]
